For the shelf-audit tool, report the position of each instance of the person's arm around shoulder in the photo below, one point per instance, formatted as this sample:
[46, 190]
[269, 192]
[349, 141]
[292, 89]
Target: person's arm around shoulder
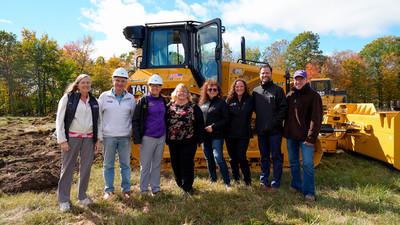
[167, 114]
[281, 105]
[254, 94]
[99, 142]
[136, 121]
[60, 126]
[134, 104]
[224, 112]
[198, 124]
[316, 120]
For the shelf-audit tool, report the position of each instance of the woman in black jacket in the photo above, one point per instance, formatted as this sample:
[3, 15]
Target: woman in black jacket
[215, 113]
[240, 106]
[185, 129]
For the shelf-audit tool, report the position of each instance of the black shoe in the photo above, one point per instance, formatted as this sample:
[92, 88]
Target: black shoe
[274, 184]
[263, 186]
[192, 191]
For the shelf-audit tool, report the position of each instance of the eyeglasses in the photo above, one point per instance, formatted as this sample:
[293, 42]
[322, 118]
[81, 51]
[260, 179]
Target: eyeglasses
[212, 89]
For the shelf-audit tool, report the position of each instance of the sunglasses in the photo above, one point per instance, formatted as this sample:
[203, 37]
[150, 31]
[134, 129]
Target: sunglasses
[212, 89]
[155, 85]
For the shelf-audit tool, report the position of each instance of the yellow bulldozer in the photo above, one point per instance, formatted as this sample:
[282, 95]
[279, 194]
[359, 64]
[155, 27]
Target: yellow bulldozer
[190, 52]
[362, 129]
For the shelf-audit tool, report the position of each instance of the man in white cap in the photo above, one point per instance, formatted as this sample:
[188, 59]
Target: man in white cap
[301, 131]
[116, 111]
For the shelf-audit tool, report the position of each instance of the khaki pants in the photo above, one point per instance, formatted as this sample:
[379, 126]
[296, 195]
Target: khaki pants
[85, 149]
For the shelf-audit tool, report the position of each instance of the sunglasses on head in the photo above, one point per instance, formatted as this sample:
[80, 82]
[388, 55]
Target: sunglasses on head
[212, 89]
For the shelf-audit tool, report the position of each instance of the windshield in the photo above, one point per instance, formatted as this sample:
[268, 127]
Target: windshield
[166, 48]
[207, 39]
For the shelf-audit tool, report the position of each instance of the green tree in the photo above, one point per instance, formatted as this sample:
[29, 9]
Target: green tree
[8, 58]
[275, 54]
[101, 76]
[41, 58]
[129, 60]
[114, 62]
[62, 76]
[3, 98]
[374, 54]
[253, 54]
[304, 49]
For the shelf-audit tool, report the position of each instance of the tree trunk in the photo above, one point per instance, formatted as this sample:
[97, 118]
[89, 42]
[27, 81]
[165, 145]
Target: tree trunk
[10, 85]
[39, 85]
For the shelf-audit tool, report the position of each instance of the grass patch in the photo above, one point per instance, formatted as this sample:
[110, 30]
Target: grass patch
[351, 189]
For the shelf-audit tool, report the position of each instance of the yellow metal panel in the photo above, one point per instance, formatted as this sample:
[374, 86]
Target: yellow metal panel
[170, 76]
[368, 132]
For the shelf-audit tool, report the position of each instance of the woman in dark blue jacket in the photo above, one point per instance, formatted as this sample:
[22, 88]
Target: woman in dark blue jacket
[240, 106]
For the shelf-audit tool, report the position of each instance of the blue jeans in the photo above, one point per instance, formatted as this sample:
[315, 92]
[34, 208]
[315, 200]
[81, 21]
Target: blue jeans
[270, 145]
[213, 152]
[122, 146]
[307, 153]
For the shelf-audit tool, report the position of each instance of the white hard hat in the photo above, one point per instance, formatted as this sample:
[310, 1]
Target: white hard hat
[155, 79]
[120, 72]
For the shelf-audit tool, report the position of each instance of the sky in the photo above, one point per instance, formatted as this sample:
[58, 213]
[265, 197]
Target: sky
[341, 24]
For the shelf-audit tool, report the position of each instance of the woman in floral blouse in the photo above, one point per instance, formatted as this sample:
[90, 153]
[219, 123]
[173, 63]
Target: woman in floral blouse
[185, 127]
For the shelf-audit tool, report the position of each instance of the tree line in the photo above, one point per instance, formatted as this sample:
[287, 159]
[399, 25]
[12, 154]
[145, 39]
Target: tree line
[371, 75]
[35, 71]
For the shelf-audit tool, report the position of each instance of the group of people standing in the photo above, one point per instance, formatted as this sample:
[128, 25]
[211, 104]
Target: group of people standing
[84, 125]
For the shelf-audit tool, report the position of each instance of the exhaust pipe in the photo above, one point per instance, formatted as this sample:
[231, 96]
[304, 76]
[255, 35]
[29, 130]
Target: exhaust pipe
[243, 49]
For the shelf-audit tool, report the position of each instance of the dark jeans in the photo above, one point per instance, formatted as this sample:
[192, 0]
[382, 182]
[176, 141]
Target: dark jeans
[237, 148]
[271, 145]
[213, 152]
[182, 161]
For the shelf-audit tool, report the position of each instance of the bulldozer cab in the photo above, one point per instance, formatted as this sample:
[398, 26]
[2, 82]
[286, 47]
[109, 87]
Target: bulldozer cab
[182, 44]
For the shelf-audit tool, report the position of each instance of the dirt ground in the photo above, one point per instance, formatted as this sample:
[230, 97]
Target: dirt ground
[29, 155]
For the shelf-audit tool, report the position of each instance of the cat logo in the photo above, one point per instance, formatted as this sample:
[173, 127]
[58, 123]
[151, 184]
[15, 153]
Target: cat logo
[139, 90]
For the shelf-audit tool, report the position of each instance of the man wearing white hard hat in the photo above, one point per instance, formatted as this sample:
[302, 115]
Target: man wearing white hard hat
[116, 111]
[149, 129]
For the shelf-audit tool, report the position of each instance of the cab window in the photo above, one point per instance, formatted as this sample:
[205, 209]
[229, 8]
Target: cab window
[166, 48]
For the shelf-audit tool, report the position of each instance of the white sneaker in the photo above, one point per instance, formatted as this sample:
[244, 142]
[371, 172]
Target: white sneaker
[108, 196]
[64, 206]
[85, 202]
